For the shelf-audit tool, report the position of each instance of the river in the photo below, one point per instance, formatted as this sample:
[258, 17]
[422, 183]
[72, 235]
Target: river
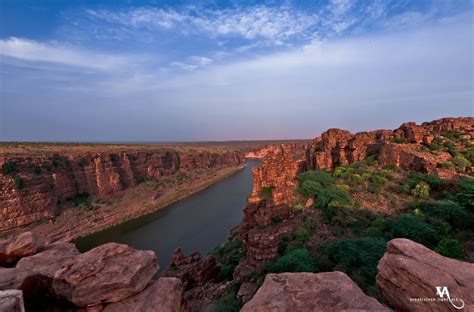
[199, 222]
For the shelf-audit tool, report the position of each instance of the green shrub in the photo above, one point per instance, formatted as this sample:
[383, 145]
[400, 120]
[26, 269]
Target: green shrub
[358, 257]
[323, 178]
[450, 148]
[461, 162]
[82, 162]
[450, 248]
[310, 224]
[377, 228]
[332, 196]
[266, 193]
[377, 181]
[228, 302]
[448, 165]
[308, 189]
[446, 210]
[434, 182]
[80, 199]
[451, 134]
[297, 260]
[399, 140]
[301, 234]
[9, 167]
[20, 183]
[334, 214]
[421, 190]
[229, 256]
[409, 226]
[277, 219]
[462, 193]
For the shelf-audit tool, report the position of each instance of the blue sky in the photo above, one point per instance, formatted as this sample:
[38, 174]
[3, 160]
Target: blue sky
[178, 70]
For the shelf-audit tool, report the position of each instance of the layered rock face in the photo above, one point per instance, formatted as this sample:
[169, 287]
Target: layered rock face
[409, 273]
[331, 291]
[33, 188]
[192, 268]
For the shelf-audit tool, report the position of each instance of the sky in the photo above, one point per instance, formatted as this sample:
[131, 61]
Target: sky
[135, 71]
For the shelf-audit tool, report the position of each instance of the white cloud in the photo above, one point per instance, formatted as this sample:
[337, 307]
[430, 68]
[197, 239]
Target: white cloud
[33, 51]
[276, 23]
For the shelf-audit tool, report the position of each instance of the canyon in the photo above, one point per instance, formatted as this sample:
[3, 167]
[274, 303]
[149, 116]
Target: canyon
[368, 221]
[42, 187]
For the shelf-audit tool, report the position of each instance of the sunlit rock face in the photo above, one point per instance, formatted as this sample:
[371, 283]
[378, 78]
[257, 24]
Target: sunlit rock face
[410, 270]
[330, 291]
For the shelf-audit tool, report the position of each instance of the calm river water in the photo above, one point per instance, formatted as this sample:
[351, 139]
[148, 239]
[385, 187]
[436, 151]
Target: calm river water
[199, 222]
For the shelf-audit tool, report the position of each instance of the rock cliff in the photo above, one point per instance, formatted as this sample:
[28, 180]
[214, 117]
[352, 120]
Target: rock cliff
[426, 148]
[35, 188]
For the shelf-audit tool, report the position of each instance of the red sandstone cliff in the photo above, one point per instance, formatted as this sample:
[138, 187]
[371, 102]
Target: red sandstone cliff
[35, 187]
[276, 179]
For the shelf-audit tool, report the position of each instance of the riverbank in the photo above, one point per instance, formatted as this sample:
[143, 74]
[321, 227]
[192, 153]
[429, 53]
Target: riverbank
[100, 214]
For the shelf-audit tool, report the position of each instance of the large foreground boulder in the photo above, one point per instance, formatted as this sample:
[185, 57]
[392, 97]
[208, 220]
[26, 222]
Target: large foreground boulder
[331, 291]
[107, 273]
[411, 277]
[165, 295]
[43, 264]
[15, 248]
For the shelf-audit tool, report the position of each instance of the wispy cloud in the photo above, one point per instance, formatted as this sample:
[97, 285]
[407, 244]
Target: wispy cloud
[276, 23]
[33, 51]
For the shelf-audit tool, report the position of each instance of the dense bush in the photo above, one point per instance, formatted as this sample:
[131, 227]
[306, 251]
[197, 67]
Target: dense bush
[434, 182]
[450, 248]
[445, 210]
[358, 257]
[308, 189]
[399, 140]
[461, 162]
[9, 167]
[80, 199]
[229, 256]
[19, 182]
[297, 260]
[266, 193]
[411, 227]
[228, 302]
[462, 193]
[421, 190]
[301, 234]
[322, 178]
[332, 197]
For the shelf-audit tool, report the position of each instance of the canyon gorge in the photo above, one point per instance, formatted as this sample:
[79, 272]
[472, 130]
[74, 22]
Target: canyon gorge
[368, 221]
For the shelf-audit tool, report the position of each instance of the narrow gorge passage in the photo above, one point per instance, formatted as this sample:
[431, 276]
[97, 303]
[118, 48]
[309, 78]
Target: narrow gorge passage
[197, 223]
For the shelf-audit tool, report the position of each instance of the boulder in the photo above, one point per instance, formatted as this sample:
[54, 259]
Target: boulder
[192, 268]
[330, 291]
[246, 291]
[107, 273]
[11, 301]
[15, 248]
[165, 295]
[409, 272]
[44, 264]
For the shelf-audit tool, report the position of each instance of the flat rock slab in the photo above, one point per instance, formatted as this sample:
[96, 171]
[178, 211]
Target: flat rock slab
[165, 295]
[409, 271]
[309, 292]
[107, 273]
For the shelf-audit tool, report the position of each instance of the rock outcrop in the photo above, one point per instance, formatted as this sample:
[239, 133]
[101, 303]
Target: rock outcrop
[34, 188]
[15, 248]
[409, 275]
[107, 273]
[276, 179]
[192, 269]
[164, 295]
[332, 291]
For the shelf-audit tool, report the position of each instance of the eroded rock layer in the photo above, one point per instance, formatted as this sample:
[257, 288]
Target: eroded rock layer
[34, 188]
